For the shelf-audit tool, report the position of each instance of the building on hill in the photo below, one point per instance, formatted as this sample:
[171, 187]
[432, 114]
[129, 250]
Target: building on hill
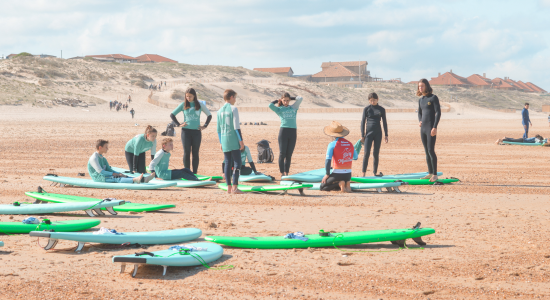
[120, 58]
[284, 71]
[44, 56]
[11, 56]
[153, 58]
[523, 86]
[451, 79]
[535, 88]
[501, 84]
[343, 71]
[480, 82]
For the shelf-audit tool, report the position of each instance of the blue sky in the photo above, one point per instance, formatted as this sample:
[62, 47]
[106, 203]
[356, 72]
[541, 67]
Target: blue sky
[399, 39]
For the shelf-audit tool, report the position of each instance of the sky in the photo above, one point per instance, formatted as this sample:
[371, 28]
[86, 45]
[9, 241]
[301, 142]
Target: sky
[398, 38]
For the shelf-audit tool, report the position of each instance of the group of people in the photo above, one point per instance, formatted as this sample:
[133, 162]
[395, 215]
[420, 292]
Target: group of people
[155, 87]
[526, 122]
[118, 105]
[339, 156]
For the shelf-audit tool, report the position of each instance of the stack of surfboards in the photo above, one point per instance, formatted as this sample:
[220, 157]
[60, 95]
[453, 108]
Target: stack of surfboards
[89, 207]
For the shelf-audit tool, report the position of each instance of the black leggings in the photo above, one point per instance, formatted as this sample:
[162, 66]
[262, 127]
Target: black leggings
[184, 173]
[287, 143]
[371, 137]
[191, 141]
[333, 181]
[429, 147]
[514, 140]
[234, 156]
[140, 162]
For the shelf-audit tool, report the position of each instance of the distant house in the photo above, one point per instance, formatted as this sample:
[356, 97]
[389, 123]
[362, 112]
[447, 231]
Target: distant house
[77, 57]
[44, 56]
[153, 58]
[451, 79]
[120, 58]
[480, 82]
[501, 84]
[535, 88]
[284, 71]
[11, 56]
[342, 71]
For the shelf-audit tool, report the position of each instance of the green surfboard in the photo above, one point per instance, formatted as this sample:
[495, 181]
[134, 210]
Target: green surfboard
[315, 240]
[128, 206]
[59, 226]
[267, 188]
[407, 181]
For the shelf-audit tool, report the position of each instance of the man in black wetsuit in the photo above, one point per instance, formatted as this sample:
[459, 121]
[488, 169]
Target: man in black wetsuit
[429, 113]
[372, 115]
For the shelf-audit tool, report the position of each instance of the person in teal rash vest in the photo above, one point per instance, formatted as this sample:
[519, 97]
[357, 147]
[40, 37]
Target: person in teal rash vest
[162, 161]
[230, 139]
[100, 170]
[135, 149]
[288, 132]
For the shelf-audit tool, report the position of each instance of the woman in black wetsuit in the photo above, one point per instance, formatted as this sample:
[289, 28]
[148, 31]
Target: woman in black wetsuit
[429, 113]
[372, 115]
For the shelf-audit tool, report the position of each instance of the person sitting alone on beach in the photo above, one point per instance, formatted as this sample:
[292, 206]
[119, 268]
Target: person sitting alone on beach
[162, 160]
[538, 139]
[100, 170]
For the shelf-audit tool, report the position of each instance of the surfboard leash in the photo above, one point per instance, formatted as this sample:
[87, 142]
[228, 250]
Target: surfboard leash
[341, 236]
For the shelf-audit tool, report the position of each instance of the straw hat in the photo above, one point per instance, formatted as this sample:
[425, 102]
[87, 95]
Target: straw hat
[336, 129]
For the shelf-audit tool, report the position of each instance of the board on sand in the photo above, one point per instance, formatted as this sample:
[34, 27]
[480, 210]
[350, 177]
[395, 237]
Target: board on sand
[397, 236]
[171, 258]
[199, 177]
[179, 182]
[88, 183]
[1, 244]
[63, 226]
[317, 176]
[127, 207]
[405, 181]
[89, 207]
[523, 144]
[144, 238]
[269, 188]
[389, 186]
[255, 178]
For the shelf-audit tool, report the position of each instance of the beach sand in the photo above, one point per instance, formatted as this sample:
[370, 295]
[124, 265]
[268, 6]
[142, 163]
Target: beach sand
[490, 240]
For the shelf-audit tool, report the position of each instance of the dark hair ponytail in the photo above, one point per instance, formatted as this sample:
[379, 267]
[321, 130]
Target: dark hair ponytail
[285, 95]
[149, 130]
[187, 105]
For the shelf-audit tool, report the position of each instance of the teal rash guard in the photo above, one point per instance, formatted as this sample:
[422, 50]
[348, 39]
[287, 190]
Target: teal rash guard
[287, 114]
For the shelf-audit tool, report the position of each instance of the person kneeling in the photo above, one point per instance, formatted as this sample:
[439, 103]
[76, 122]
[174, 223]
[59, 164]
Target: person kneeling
[100, 170]
[162, 160]
[339, 152]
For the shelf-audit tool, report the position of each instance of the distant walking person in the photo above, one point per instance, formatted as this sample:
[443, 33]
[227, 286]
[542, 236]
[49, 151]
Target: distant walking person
[133, 112]
[165, 83]
[129, 99]
[525, 120]
[191, 129]
[111, 107]
[429, 113]
[372, 115]
[287, 132]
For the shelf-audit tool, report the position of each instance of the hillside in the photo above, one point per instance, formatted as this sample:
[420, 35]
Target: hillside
[28, 80]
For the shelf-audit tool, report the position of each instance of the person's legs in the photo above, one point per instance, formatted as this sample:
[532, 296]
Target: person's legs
[129, 160]
[141, 163]
[123, 179]
[236, 156]
[526, 133]
[283, 144]
[368, 144]
[246, 170]
[183, 173]
[512, 140]
[227, 171]
[292, 137]
[331, 185]
[424, 137]
[431, 151]
[376, 151]
[186, 142]
[196, 146]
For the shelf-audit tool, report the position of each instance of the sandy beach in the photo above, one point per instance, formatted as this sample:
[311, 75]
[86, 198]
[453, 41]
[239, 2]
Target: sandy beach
[489, 241]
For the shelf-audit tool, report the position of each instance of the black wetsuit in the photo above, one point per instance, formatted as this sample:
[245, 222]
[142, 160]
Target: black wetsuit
[429, 113]
[372, 115]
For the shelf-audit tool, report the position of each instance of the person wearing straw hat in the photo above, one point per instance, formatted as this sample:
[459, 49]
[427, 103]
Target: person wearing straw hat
[340, 154]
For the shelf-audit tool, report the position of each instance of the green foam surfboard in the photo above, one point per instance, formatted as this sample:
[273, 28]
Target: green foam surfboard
[315, 240]
[59, 226]
[523, 144]
[267, 188]
[407, 181]
[128, 206]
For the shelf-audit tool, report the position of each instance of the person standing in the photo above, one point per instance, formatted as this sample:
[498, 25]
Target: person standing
[287, 132]
[372, 115]
[191, 135]
[133, 112]
[230, 138]
[525, 120]
[129, 99]
[429, 114]
[111, 106]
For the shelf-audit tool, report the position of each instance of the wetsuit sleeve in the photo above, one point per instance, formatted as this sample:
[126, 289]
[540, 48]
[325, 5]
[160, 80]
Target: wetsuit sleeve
[205, 109]
[94, 162]
[296, 105]
[419, 111]
[357, 149]
[363, 121]
[156, 160]
[384, 122]
[437, 109]
[218, 129]
[153, 149]
[108, 167]
[174, 119]
[248, 155]
[236, 120]
[330, 152]
[239, 135]
[252, 166]
[208, 119]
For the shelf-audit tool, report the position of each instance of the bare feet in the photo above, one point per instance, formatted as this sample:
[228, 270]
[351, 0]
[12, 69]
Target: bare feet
[229, 189]
[434, 178]
[427, 176]
[237, 191]
[138, 179]
[209, 179]
[342, 185]
[499, 141]
[348, 187]
[364, 174]
[149, 178]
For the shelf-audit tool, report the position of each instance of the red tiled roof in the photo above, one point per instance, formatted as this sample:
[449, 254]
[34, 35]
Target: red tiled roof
[412, 82]
[274, 70]
[479, 80]
[119, 56]
[449, 79]
[154, 58]
[536, 88]
[501, 83]
[344, 63]
[335, 70]
[523, 86]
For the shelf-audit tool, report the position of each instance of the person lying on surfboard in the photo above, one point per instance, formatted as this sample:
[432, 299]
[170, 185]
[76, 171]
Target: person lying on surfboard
[340, 153]
[162, 160]
[100, 170]
[537, 139]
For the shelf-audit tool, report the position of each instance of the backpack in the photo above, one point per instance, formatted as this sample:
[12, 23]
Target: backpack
[170, 131]
[265, 154]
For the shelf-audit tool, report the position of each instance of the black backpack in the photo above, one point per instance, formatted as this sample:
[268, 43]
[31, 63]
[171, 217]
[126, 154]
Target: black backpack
[170, 131]
[265, 154]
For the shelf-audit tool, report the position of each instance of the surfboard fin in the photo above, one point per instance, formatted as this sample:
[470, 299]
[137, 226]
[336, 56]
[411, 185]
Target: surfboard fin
[136, 266]
[396, 189]
[164, 271]
[89, 212]
[51, 244]
[379, 190]
[80, 246]
[99, 212]
[400, 243]
[419, 241]
[111, 210]
[122, 268]
[301, 192]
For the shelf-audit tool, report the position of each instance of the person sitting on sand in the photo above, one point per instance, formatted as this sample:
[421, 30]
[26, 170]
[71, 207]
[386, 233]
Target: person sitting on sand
[340, 155]
[245, 156]
[100, 170]
[538, 139]
[162, 161]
